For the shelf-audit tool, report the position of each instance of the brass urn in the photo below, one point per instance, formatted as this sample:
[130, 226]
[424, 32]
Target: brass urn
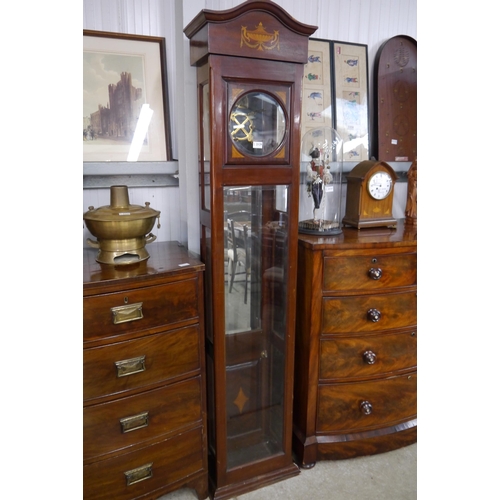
[121, 229]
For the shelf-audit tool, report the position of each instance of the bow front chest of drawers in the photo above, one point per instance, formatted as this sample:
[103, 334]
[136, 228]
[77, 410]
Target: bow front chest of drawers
[355, 350]
[144, 415]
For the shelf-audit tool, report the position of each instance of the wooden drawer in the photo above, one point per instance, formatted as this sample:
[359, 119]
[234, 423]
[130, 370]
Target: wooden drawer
[392, 400]
[350, 314]
[172, 460]
[136, 419]
[135, 364]
[350, 357]
[135, 310]
[353, 272]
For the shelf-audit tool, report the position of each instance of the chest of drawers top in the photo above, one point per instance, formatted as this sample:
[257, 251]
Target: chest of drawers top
[124, 302]
[352, 238]
[168, 260]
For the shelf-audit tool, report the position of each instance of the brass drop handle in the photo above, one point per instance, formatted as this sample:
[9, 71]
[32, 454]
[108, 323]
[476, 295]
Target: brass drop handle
[140, 474]
[366, 407]
[374, 315]
[130, 366]
[129, 424]
[375, 273]
[370, 357]
[126, 313]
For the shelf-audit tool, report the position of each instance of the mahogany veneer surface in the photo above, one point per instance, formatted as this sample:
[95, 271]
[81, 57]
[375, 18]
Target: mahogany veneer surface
[144, 417]
[355, 378]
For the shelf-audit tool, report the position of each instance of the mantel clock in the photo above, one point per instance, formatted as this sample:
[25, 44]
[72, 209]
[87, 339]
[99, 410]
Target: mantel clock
[250, 62]
[369, 196]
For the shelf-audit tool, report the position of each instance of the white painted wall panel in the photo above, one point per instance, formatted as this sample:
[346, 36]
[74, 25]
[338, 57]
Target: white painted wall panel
[369, 22]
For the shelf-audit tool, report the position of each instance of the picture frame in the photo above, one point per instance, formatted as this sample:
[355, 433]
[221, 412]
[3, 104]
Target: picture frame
[125, 100]
[317, 86]
[351, 98]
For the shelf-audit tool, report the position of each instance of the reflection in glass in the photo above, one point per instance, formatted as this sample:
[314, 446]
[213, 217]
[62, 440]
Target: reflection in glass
[256, 256]
[321, 182]
[257, 124]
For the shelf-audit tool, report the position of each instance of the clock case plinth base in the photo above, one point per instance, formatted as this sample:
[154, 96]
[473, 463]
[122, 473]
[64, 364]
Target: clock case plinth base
[246, 486]
[359, 224]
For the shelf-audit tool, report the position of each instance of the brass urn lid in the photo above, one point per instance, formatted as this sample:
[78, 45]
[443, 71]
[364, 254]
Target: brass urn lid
[120, 209]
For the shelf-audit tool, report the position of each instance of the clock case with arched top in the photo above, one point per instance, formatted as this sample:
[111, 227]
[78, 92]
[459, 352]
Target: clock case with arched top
[250, 62]
[362, 209]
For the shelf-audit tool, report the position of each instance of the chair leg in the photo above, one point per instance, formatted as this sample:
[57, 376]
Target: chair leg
[233, 272]
[246, 285]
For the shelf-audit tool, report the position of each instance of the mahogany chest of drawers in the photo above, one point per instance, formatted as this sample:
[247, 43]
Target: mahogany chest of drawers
[355, 351]
[144, 417]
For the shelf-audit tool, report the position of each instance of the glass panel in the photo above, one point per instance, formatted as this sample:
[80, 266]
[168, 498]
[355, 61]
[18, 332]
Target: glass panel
[257, 124]
[206, 147]
[321, 182]
[256, 256]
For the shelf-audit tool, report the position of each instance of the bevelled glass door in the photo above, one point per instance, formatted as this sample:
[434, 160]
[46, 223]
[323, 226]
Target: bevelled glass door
[256, 234]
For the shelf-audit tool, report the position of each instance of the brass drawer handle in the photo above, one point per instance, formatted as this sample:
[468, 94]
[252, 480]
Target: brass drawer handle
[129, 312]
[375, 273]
[140, 474]
[130, 366]
[135, 422]
[369, 357]
[366, 407]
[374, 315]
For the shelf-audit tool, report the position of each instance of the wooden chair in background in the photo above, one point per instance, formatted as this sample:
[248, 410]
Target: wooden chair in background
[238, 254]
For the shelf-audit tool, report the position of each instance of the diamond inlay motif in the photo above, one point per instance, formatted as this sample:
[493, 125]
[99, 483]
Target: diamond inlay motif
[240, 400]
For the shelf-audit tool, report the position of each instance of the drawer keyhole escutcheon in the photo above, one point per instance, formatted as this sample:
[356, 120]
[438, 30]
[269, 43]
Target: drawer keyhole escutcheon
[370, 357]
[375, 273]
[374, 315]
[366, 407]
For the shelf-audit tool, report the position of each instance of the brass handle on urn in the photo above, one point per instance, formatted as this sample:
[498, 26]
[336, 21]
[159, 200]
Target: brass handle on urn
[92, 243]
[374, 315]
[375, 273]
[366, 407]
[369, 357]
[150, 238]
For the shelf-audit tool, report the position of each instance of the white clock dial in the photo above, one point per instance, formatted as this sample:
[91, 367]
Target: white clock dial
[380, 185]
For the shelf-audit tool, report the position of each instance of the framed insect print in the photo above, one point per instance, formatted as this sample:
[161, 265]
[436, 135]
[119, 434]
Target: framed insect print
[350, 90]
[317, 87]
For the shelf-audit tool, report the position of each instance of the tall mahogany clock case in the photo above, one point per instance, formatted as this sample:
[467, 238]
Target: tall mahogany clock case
[250, 62]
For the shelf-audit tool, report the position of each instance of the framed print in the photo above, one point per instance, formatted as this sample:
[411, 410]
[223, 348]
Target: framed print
[125, 98]
[351, 119]
[317, 87]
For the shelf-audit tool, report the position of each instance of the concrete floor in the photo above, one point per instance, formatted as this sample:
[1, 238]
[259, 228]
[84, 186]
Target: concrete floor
[387, 476]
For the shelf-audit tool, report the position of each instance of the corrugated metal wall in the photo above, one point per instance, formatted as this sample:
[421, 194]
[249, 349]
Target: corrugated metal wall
[369, 22]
